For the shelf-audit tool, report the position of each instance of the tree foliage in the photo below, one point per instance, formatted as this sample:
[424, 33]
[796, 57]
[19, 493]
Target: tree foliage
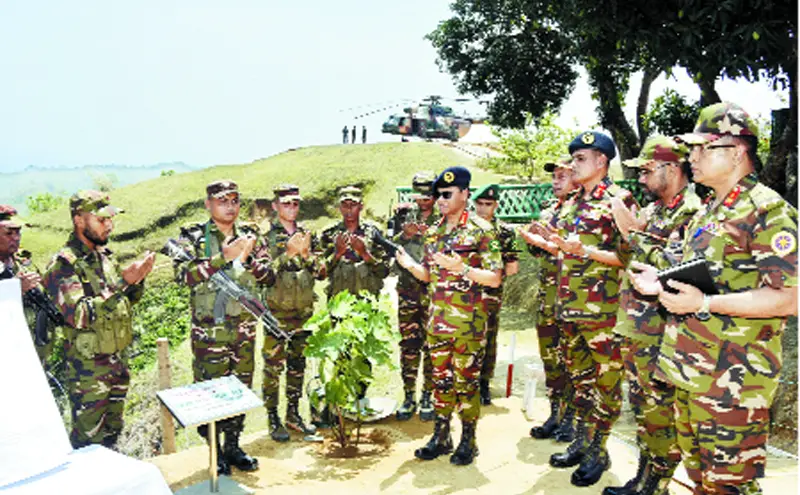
[347, 334]
[44, 202]
[526, 150]
[671, 114]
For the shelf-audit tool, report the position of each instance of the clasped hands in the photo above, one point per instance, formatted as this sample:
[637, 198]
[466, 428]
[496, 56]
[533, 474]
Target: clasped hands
[687, 299]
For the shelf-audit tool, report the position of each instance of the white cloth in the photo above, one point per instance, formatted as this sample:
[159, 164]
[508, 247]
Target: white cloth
[32, 435]
[35, 454]
[95, 470]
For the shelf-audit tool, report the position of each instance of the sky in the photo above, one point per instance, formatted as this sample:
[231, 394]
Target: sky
[211, 82]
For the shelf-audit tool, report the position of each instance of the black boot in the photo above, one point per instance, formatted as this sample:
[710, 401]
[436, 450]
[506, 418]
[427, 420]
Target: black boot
[408, 408]
[550, 425]
[655, 484]
[426, 412]
[486, 397]
[631, 487]
[276, 429]
[234, 455]
[440, 443]
[295, 421]
[222, 464]
[575, 451]
[467, 449]
[566, 430]
[594, 463]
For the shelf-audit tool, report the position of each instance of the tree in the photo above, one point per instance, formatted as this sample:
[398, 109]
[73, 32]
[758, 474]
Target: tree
[670, 114]
[44, 202]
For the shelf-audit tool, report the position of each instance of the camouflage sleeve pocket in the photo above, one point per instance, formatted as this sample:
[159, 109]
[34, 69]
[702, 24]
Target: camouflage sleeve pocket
[774, 247]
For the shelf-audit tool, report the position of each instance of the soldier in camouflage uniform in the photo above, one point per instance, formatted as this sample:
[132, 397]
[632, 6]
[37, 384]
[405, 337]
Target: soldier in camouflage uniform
[413, 221]
[291, 300]
[16, 263]
[223, 333]
[96, 298]
[351, 259]
[462, 256]
[486, 203]
[559, 424]
[589, 274]
[655, 237]
[723, 351]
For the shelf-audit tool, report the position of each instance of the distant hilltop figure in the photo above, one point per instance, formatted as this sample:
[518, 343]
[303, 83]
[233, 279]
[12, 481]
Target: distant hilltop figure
[353, 138]
[344, 135]
[363, 134]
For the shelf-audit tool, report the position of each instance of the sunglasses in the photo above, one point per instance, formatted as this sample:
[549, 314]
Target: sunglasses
[446, 194]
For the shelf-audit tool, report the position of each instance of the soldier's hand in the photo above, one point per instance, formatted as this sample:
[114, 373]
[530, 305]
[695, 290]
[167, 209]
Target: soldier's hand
[294, 245]
[247, 247]
[644, 278]
[139, 269]
[358, 245]
[689, 298]
[232, 249]
[410, 229]
[341, 243]
[305, 247]
[29, 280]
[403, 258]
[530, 238]
[624, 218]
[571, 245]
[450, 262]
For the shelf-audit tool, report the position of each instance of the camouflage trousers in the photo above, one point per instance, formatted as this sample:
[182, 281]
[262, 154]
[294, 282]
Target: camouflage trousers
[724, 447]
[552, 351]
[456, 374]
[279, 353]
[492, 328]
[224, 350]
[412, 317]
[97, 389]
[594, 364]
[653, 404]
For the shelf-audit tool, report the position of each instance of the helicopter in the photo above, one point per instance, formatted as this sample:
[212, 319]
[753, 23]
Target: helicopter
[429, 119]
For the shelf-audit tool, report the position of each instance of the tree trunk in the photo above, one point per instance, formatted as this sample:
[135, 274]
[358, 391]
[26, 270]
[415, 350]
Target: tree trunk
[612, 117]
[780, 171]
[648, 77]
[708, 92]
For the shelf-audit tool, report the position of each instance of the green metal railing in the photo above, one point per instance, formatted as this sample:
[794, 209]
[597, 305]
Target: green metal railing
[521, 203]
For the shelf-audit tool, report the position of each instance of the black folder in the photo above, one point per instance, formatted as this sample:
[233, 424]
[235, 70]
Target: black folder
[694, 272]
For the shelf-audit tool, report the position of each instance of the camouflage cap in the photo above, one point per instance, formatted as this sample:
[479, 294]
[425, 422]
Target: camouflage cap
[352, 193]
[221, 188]
[90, 201]
[491, 192]
[564, 161]
[6, 212]
[720, 119]
[285, 193]
[422, 183]
[661, 148]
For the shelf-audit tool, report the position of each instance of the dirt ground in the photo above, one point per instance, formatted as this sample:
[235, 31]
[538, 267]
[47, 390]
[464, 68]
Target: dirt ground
[509, 461]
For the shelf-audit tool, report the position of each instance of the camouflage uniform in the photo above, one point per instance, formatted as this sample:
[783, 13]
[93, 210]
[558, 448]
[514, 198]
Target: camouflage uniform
[226, 347]
[494, 298]
[351, 272]
[412, 308]
[726, 368]
[96, 302]
[551, 348]
[459, 313]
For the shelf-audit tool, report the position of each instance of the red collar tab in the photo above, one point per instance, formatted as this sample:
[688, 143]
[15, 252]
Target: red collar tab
[599, 190]
[464, 216]
[732, 196]
[675, 201]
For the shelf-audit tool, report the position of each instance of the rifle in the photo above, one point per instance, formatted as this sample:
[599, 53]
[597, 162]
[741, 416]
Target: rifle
[46, 311]
[229, 289]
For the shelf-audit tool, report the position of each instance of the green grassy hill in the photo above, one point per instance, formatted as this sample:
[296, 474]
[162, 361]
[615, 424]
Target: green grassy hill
[156, 208]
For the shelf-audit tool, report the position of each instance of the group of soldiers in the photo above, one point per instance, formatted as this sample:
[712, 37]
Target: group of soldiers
[702, 368]
[352, 134]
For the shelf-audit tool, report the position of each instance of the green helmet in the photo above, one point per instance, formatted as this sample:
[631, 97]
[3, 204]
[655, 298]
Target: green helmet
[718, 120]
[661, 148]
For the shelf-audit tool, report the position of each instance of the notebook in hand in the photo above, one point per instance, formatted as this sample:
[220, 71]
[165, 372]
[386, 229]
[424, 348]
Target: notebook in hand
[694, 272]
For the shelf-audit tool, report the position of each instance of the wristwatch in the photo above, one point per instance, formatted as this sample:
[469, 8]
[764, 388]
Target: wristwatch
[704, 313]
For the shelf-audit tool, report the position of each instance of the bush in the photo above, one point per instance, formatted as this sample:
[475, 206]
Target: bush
[162, 312]
[44, 202]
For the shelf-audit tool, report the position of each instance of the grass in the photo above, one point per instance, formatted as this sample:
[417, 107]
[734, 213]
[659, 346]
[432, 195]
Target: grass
[156, 208]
